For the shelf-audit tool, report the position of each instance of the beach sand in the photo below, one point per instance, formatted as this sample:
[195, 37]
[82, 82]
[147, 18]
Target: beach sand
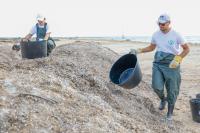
[70, 91]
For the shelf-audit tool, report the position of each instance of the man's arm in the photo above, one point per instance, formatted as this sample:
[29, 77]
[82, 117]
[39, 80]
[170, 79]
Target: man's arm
[47, 36]
[185, 51]
[178, 58]
[48, 32]
[27, 37]
[149, 48]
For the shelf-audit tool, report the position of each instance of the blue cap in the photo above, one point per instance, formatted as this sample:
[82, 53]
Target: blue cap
[164, 18]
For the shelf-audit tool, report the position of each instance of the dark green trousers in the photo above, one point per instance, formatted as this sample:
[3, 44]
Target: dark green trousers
[50, 45]
[165, 77]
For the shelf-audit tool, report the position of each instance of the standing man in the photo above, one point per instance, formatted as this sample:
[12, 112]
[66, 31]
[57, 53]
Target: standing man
[166, 64]
[42, 31]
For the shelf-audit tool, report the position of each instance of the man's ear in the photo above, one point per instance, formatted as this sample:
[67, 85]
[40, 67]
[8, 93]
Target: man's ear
[168, 23]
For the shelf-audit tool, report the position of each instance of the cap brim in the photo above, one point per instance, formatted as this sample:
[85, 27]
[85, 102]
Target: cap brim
[40, 19]
[162, 22]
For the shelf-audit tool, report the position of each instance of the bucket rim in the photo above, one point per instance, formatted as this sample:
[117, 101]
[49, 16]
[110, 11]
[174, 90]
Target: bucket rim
[195, 100]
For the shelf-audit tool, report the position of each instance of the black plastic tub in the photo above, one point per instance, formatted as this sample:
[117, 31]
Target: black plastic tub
[195, 109]
[126, 72]
[198, 96]
[34, 49]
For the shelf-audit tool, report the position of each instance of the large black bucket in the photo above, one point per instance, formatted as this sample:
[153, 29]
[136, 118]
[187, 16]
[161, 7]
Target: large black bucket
[195, 109]
[198, 96]
[34, 49]
[126, 72]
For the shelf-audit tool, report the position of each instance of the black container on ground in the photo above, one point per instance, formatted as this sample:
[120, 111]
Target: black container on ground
[126, 65]
[198, 96]
[195, 109]
[34, 49]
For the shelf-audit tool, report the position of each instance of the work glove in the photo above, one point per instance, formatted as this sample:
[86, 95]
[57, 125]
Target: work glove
[135, 51]
[175, 62]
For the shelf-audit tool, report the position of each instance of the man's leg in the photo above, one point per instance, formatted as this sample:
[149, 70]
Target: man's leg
[50, 46]
[158, 85]
[173, 81]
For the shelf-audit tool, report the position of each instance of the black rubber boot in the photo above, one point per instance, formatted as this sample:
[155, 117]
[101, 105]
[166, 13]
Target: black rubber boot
[170, 112]
[162, 104]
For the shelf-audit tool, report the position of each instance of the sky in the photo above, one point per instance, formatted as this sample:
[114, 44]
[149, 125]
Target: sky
[69, 18]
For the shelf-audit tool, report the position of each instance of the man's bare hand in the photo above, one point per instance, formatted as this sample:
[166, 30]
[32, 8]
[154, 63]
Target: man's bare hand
[24, 40]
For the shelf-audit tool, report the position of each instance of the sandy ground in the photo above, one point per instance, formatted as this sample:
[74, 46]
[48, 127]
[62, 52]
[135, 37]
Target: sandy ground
[70, 91]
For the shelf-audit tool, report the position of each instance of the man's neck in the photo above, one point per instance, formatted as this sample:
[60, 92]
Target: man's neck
[41, 24]
[166, 31]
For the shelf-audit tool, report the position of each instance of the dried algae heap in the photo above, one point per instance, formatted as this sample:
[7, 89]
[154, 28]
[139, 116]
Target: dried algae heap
[70, 92]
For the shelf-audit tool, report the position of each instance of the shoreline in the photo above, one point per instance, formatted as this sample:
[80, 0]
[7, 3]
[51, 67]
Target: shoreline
[93, 39]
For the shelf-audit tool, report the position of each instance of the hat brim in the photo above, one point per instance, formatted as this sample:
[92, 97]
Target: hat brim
[162, 21]
[40, 19]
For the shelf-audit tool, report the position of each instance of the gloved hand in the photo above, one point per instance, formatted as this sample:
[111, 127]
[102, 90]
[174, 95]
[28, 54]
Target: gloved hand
[175, 62]
[135, 51]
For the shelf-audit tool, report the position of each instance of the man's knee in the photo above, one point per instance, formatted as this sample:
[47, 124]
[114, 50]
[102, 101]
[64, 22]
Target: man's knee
[159, 90]
[50, 44]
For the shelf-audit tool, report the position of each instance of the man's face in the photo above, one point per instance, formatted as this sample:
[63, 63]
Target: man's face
[164, 26]
[41, 22]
